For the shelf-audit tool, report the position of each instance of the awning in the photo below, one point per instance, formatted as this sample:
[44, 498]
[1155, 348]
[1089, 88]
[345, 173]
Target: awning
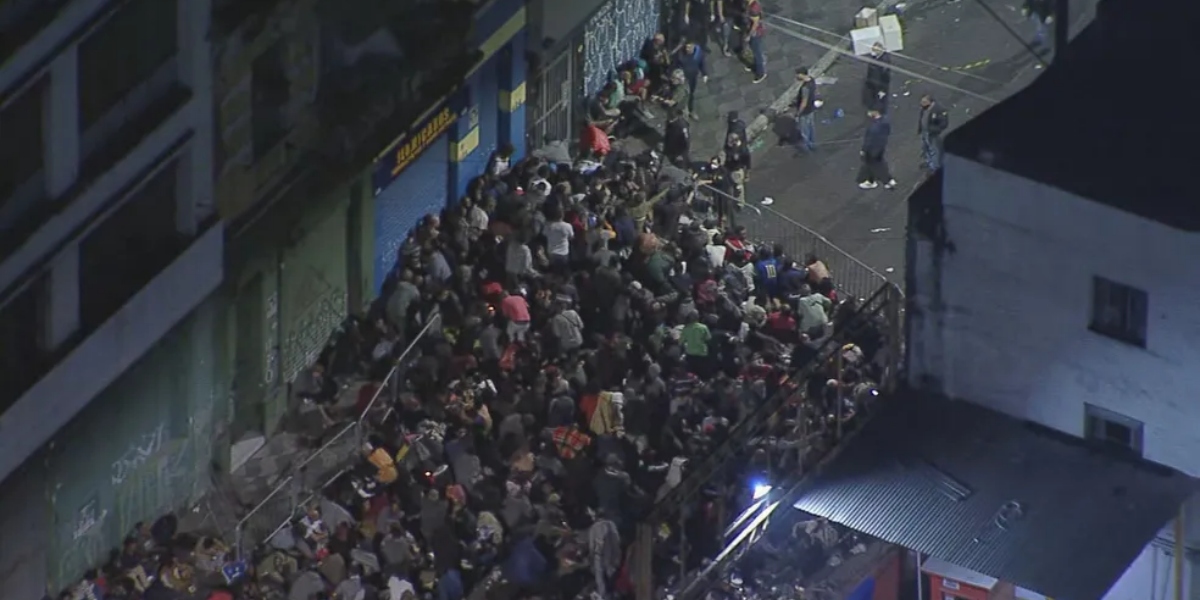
[1000, 496]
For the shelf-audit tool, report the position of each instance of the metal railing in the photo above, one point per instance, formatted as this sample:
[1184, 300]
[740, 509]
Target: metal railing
[767, 225]
[883, 304]
[287, 499]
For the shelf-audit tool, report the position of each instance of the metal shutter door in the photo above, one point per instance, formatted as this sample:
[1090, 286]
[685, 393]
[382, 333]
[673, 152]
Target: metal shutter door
[421, 189]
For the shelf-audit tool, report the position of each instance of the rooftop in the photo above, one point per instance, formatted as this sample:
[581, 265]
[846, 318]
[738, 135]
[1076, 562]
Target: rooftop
[989, 493]
[1113, 121]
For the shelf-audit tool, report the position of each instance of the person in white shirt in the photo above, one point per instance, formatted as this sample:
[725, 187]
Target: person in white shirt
[558, 242]
[716, 251]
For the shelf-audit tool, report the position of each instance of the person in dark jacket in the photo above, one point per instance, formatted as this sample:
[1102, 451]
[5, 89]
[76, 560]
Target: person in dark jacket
[691, 61]
[1041, 12]
[677, 139]
[734, 125]
[874, 166]
[931, 124]
[879, 79]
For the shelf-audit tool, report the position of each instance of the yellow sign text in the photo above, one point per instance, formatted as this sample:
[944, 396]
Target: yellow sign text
[414, 146]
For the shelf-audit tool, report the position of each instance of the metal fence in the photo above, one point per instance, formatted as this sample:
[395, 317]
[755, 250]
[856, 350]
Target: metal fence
[766, 225]
[286, 501]
[882, 306]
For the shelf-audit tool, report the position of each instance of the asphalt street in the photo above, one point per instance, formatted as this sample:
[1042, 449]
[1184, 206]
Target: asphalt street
[956, 44]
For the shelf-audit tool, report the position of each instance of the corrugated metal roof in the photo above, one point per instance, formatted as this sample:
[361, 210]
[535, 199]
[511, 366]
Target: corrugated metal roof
[1000, 496]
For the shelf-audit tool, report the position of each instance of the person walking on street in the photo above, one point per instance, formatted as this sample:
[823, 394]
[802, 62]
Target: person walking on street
[677, 139]
[932, 123]
[756, 30]
[879, 79]
[691, 61]
[697, 18]
[805, 107]
[874, 166]
[1041, 12]
[727, 15]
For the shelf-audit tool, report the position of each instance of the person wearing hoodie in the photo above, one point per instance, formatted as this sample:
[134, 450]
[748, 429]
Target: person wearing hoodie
[874, 167]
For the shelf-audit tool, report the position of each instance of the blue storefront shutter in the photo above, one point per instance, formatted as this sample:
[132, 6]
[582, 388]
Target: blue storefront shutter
[420, 190]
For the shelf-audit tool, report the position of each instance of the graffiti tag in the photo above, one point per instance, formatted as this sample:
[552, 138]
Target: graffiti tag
[140, 451]
[90, 517]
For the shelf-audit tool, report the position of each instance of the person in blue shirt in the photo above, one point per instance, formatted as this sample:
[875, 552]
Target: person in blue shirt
[691, 62]
[767, 268]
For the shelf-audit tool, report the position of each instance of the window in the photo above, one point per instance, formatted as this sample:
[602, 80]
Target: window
[129, 248]
[22, 145]
[22, 322]
[270, 91]
[125, 51]
[1119, 311]
[21, 20]
[1113, 429]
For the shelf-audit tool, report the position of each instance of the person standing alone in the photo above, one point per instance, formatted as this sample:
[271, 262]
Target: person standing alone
[1041, 12]
[691, 62]
[931, 124]
[879, 79]
[874, 166]
[756, 30]
[805, 106]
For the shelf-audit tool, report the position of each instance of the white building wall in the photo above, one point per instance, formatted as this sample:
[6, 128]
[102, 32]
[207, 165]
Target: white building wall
[1003, 320]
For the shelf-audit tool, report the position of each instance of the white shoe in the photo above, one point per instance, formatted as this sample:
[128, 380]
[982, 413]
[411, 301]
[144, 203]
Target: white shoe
[767, 201]
[891, 184]
[868, 185]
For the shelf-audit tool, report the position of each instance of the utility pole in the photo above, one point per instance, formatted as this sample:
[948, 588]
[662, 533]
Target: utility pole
[1062, 27]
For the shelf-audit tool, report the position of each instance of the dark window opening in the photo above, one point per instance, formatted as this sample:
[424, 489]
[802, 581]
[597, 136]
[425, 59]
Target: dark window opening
[1119, 311]
[22, 145]
[22, 322]
[270, 92]
[130, 248]
[1113, 429]
[124, 52]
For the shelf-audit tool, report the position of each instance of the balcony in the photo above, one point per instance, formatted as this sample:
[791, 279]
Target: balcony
[103, 353]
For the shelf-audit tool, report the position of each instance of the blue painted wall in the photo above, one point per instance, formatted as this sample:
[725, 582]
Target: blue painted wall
[420, 190]
[488, 96]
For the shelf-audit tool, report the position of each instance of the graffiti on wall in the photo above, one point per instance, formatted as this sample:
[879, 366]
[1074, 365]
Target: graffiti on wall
[615, 35]
[138, 452]
[322, 309]
[156, 475]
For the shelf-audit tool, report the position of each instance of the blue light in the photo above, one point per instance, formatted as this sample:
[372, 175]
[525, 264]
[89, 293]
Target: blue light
[761, 490]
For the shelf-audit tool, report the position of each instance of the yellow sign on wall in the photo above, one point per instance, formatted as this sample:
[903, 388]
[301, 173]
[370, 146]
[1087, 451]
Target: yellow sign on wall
[411, 148]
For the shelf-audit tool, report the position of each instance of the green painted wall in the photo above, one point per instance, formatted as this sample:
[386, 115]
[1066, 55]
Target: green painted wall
[296, 263]
[141, 449]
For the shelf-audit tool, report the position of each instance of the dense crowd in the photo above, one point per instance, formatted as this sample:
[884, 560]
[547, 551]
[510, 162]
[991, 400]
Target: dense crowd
[583, 332]
[584, 326]
[592, 329]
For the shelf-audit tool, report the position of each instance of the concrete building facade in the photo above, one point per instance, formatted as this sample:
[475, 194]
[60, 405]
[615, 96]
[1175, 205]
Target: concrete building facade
[110, 252]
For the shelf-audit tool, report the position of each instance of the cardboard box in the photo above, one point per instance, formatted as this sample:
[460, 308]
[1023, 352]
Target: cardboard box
[893, 36]
[862, 39]
[867, 17]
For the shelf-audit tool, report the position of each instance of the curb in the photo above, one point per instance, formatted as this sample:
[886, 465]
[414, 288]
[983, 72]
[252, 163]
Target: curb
[762, 122]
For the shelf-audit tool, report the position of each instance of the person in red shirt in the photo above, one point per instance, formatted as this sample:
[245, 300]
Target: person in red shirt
[754, 18]
[516, 310]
